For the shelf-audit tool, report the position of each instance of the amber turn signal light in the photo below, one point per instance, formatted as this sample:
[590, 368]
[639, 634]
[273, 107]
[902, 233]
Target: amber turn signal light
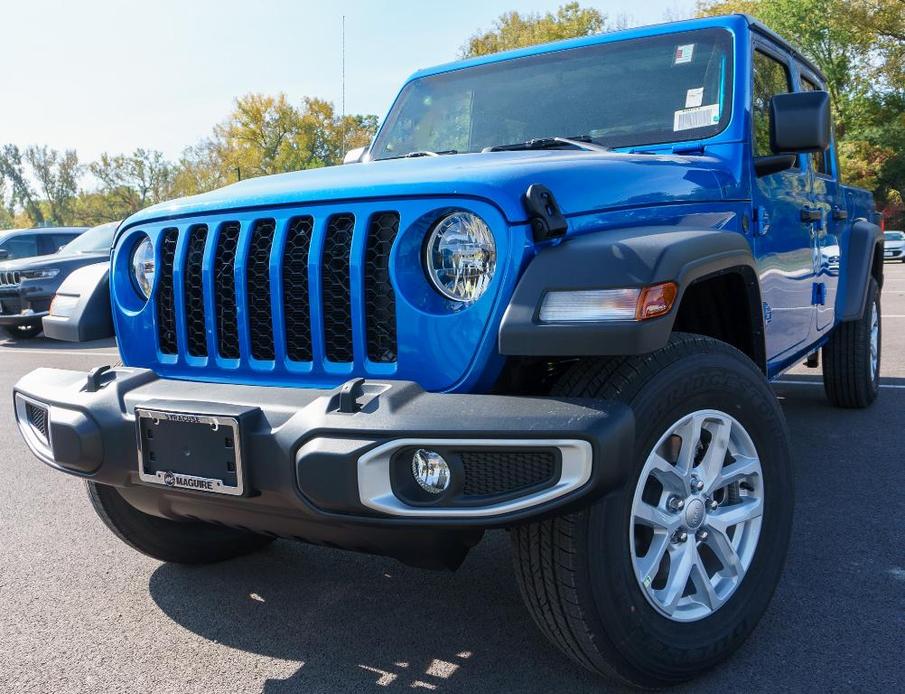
[656, 301]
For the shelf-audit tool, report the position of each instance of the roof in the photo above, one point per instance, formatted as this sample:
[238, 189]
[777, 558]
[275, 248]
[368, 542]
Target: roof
[46, 230]
[735, 21]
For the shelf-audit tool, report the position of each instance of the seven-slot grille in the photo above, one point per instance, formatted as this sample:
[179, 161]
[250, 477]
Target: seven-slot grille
[10, 279]
[261, 275]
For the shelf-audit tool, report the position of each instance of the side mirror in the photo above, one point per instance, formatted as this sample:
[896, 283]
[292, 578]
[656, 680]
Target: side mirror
[4, 254]
[800, 122]
[355, 156]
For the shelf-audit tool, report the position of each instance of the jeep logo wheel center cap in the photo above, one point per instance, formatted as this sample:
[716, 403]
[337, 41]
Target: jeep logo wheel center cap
[694, 513]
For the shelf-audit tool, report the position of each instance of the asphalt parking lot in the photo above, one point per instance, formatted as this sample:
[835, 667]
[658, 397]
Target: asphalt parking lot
[81, 612]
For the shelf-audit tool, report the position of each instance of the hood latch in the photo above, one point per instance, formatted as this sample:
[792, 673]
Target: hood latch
[547, 220]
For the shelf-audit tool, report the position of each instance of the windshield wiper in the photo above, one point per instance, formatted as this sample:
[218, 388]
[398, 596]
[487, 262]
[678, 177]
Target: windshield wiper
[579, 141]
[421, 153]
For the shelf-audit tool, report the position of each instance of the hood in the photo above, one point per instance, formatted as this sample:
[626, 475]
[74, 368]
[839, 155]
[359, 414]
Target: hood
[54, 260]
[582, 182]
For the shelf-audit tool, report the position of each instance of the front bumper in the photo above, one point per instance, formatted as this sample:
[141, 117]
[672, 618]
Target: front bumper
[19, 308]
[319, 464]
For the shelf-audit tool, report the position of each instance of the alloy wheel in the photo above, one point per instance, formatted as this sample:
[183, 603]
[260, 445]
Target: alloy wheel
[696, 515]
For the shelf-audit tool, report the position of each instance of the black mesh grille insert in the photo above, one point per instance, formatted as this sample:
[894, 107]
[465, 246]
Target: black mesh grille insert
[380, 300]
[225, 290]
[37, 417]
[260, 324]
[194, 292]
[502, 472]
[166, 306]
[337, 302]
[296, 303]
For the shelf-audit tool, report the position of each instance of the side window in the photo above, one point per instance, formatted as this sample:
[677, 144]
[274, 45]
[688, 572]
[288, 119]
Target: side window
[771, 77]
[60, 240]
[24, 246]
[819, 160]
[46, 244]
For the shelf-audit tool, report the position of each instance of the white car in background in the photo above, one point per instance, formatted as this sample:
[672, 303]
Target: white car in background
[894, 246]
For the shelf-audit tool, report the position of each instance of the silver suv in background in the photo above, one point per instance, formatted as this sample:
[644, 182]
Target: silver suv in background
[894, 245]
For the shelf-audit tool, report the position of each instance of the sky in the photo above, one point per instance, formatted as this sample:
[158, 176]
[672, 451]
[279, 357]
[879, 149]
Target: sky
[114, 75]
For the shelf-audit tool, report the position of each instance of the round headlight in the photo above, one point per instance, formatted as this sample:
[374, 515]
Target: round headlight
[143, 266]
[460, 257]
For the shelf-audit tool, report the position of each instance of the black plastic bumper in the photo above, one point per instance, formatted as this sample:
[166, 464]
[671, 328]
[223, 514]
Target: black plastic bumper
[21, 318]
[13, 302]
[313, 458]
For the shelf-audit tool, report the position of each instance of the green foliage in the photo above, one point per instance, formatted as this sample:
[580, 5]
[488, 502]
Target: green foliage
[516, 30]
[266, 135]
[859, 45]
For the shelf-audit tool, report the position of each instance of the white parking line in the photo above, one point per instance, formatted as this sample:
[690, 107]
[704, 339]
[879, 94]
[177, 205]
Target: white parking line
[69, 352]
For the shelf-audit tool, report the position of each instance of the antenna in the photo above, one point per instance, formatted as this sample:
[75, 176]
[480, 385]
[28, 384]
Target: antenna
[342, 121]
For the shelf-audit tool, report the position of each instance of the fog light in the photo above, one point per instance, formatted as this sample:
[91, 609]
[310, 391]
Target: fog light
[430, 471]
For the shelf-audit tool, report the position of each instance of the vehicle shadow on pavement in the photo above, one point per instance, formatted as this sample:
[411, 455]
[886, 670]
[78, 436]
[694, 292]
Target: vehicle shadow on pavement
[367, 623]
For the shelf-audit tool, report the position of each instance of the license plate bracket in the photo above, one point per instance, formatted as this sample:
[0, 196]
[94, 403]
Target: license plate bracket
[190, 451]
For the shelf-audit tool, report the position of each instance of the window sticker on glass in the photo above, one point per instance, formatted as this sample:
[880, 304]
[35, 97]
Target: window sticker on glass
[694, 97]
[699, 117]
[684, 54]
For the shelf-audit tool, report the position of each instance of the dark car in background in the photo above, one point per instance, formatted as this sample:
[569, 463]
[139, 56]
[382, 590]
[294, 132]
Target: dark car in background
[27, 243]
[28, 285]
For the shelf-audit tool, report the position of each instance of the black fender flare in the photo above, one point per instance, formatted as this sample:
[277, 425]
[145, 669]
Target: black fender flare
[632, 257]
[865, 241]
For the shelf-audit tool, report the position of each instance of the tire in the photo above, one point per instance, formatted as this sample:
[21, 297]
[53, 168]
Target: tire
[576, 572]
[23, 332]
[180, 542]
[851, 375]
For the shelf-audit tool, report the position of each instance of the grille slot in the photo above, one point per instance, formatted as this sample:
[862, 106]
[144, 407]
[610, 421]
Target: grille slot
[380, 300]
[260, 317]
[166, 306]
[37, 418]
[225, 291]
[296, 303]
[503, 472]
[194, 292]
[335, 285]
[10, 279]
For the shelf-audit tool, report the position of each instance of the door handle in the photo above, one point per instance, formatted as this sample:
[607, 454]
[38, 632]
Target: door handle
[810, 215]
[840, 214]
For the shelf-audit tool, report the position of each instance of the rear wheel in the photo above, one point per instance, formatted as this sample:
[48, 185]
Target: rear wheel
[851, 358]
[664, 578]
[23, 332]
[182, 542]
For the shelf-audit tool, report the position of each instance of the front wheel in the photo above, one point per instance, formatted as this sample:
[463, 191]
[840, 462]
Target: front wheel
[664, 578]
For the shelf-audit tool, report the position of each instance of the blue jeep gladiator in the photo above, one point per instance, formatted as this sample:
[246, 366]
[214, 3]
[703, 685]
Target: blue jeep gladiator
[549, 298]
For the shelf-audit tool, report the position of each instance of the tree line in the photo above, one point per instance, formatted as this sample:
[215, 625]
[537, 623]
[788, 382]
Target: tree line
[40, 186]
[859, 45]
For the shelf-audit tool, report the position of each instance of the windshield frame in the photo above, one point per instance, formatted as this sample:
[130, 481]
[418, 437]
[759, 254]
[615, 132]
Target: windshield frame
[727, 115]
[84, 237]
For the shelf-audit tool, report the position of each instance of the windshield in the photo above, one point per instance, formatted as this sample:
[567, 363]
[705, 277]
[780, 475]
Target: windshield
[95, 240]
[627, 93]
[894, 236]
